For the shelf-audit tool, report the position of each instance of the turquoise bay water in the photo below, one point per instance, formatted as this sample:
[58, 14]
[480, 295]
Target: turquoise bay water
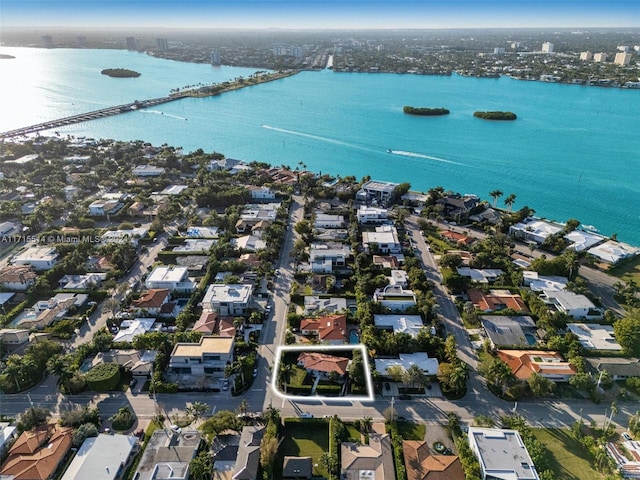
[574, 152]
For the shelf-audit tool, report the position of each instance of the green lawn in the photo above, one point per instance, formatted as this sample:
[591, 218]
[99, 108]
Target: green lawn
[297, 376]
[627, 271]
[308, 438]
[411, 431]
[569, 460]
[353, 432]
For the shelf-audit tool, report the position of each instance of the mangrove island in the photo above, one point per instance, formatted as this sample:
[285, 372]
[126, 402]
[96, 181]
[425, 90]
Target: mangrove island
[120, 73]
[424, 111]
[495, 115]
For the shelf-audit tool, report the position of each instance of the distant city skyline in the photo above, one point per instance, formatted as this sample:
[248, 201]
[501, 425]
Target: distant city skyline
[320, 14]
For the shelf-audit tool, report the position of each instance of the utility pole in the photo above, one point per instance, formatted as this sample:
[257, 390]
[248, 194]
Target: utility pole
[393, 399]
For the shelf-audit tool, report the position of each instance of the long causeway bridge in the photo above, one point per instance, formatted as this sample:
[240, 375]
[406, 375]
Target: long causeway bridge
[104, 112]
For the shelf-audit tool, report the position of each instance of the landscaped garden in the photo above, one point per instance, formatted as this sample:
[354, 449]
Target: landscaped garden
[300, 438]
[568, 458]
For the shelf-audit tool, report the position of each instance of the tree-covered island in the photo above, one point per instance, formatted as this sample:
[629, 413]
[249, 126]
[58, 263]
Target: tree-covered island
[424, 111]
[120, 73]
[495, 115]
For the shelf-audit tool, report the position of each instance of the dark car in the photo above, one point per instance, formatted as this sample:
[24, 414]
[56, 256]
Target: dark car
[404, 396]
[387, 386]
[133, 382]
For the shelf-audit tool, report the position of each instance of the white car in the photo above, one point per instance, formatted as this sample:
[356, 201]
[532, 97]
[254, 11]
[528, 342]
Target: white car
[626, 436]
[176, 429]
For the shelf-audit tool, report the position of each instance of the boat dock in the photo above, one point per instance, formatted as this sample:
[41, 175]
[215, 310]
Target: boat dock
[84, 117]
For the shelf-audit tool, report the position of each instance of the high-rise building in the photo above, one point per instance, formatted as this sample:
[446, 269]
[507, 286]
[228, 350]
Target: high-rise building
[586, 55]
[622, 58]
[162, 45]
[600, 57]
[622, 48]
[215, 58]
[133, 43]
[498, 51]
[547, 47]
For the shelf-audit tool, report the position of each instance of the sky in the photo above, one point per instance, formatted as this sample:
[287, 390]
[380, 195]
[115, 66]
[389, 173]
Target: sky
[321, 14]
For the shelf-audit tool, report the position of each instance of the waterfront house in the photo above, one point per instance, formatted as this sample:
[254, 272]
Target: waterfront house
[613, 252]
[535, 230]
[378, 191]
[458, 206]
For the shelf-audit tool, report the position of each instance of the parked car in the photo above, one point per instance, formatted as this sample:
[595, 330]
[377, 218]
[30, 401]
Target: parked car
[176, 429]
[133, 383]
[255, 372]
[225, 384]
[626, 436]
[306, 415]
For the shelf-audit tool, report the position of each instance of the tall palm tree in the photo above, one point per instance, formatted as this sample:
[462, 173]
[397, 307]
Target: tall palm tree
[510, 200]
[458, 377]
[366, 424]
[500, 374]
[495, 194]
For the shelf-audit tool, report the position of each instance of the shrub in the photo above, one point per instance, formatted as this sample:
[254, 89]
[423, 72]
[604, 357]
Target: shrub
[103, 377]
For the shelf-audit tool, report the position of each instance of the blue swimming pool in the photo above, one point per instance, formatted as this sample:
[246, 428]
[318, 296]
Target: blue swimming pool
[354, 337]
[531, 340]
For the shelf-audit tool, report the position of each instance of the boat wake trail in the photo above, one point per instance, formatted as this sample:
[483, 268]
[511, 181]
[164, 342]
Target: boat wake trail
[404, 153]
[317, 137]
[158, 112]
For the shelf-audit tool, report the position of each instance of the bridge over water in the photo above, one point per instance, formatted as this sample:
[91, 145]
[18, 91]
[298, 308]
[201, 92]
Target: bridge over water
[84, 117]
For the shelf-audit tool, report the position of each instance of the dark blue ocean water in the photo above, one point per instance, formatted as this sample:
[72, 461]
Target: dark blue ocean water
[573, 152]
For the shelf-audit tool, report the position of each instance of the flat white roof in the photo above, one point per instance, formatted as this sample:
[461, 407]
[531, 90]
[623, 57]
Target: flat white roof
[613, 252]
[167, 274]
[581, 240]
[406, 360]
[230, 293]
[37, 253]
[502, 454]
[569, 300]
[594, 336]
[411, 324]
[380, 186]
[99, 458]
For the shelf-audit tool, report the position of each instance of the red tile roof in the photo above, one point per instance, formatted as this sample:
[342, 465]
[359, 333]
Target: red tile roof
[322, 362]
[154, 298]
[329, 327]
[496, 300]
[523, 363]
[421, 465]
[26, 461]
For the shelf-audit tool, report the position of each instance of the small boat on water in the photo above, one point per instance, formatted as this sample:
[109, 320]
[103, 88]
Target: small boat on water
[389, 150]
[590, 228]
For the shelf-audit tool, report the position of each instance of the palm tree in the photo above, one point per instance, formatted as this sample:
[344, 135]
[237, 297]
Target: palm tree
[495, 194]
[500, 374]
[366, 424]
[458, 377]
[243, 407]
[196, 410]
[510, 200]
[414, 375]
